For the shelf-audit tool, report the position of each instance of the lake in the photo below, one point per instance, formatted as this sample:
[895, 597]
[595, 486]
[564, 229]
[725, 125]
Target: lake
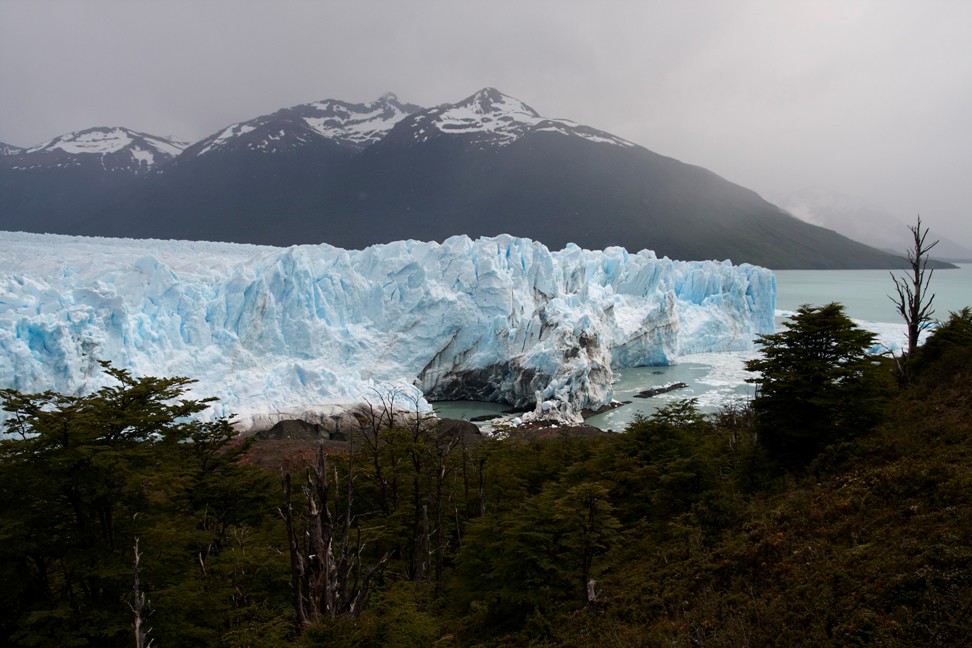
[717, 378]
[864, 293]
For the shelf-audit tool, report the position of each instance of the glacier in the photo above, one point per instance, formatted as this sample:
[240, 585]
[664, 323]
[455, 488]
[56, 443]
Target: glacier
[313, 330]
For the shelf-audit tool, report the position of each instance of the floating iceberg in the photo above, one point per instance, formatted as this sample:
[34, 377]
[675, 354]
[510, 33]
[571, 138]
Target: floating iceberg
[300, 332]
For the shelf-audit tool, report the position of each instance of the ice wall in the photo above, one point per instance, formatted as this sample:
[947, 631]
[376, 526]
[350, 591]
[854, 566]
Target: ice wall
[295, 332]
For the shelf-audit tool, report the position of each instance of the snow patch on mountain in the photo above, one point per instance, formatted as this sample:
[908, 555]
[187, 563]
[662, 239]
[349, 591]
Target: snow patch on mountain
[113, 148]
[492, 118]
[103, 141]
[9, 149]
[357, 125]
[287, 333]
[99, 141]
[229, 133]
[354, 126]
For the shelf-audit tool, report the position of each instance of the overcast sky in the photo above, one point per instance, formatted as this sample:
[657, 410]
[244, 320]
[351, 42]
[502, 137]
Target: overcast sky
[869, 98]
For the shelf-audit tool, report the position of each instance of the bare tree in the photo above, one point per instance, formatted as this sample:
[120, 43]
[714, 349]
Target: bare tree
[327, 576]
[139, 605]
[439, 447]
[375, 418]
[913, 301]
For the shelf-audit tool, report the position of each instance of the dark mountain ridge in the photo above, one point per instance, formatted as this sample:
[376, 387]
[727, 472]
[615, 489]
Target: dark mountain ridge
[354, 175]
[46, 188]
[9, 149]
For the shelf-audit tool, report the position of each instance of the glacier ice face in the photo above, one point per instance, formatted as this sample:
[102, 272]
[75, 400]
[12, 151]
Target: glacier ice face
[286, 333]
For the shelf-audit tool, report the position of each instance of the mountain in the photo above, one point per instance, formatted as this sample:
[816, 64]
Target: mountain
[47, 187]
[354, 175]
[489, 164]
[862, 221]
[251, 182]
[8, 149]
[489, 119]
[350, 126]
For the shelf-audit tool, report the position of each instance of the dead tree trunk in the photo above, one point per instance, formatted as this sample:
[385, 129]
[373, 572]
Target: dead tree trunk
[139, 605]
[320, 526]
[371, 423]
[422, 550]
[441, 449]
[325, 573]
[912, 300]
[297, 571]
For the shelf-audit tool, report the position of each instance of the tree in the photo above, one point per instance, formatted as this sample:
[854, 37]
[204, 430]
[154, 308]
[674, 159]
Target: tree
[509, 564]
[76, 469]
[947, 351]
[815, 382]
[682, 413]
[912, 299]
[589, 528]
[81, 476]
[326, 570]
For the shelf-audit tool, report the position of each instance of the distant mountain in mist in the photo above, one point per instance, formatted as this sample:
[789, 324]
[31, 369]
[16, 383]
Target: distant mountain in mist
[47, 188]
[860, 220]
[7, 149]
[354, 175]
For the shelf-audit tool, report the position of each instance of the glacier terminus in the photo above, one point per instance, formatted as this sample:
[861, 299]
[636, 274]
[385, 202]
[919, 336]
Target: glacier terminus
[311, 331]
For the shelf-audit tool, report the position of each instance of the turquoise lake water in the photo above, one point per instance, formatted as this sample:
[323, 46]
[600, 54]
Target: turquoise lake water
[864, 293]
[717, 378]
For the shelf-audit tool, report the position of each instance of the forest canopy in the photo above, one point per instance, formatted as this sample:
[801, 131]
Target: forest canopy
[834, 509]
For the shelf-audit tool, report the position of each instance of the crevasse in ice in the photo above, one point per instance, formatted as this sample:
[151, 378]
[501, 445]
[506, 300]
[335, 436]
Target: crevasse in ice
[293, 333]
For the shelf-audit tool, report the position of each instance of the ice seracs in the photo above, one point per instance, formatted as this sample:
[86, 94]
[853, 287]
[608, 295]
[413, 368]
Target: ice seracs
[287, 333]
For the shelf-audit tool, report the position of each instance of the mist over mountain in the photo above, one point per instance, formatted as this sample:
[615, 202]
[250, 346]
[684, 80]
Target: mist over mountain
[862, 221]
[355, 175]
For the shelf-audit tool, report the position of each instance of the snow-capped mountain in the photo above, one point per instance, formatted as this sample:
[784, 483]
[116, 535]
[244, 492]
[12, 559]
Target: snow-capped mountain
[114, 149]
[258, 181]
[298, 332]
[491, 118]
[354, 175]
[52, 186]
[858, 219]
[8, 149]
[354, 126]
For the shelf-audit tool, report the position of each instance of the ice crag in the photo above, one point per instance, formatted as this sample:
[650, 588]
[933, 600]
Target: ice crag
[298, 332]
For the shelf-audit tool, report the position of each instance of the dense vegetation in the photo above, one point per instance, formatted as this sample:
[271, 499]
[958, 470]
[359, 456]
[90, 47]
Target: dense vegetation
[835, 510]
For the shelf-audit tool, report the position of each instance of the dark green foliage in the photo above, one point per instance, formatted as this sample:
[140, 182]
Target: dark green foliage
[669, 461]
[82, 476]
[687, 527]
[947, 351]
[587, 528]
[816, 384]
[509, 565]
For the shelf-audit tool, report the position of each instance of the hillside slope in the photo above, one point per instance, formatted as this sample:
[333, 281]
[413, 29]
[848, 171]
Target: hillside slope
[354, 175]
